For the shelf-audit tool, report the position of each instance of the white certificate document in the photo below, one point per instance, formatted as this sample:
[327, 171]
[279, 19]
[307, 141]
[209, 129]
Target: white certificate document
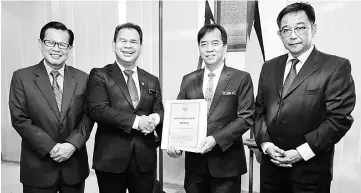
[185, 124]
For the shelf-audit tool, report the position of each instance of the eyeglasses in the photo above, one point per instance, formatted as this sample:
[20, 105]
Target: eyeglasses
[285, 33]
[61, 45]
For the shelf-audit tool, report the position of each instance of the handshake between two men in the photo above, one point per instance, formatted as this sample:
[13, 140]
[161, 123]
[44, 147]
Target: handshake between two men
[148, 123]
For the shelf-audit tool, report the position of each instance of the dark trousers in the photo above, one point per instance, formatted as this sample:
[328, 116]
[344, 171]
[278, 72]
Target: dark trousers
[60, 186]
[206, 183]
[281, 180]
[131, 179]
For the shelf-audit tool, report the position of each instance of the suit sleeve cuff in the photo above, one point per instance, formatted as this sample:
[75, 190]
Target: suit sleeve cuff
[305, 151]
[136, 123]
[265, 146]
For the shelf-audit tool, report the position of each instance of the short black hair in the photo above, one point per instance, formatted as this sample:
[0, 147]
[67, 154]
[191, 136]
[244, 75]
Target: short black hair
[295, 7]
[210, 27]
[128, 26]
[59, 26]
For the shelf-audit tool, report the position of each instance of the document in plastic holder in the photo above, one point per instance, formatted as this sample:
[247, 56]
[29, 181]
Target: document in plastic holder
[185, 124]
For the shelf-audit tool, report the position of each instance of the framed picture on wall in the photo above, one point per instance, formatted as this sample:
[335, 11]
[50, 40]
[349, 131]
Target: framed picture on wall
[232, 15]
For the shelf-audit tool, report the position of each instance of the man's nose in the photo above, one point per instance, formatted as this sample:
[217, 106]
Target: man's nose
[293, 34]
[209, 48]
[127, 44]
[56, 47]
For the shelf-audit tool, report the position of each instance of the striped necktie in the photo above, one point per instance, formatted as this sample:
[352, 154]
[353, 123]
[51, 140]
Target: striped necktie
[58, 93]
[290, 77]
[132, 88]
[209, 90]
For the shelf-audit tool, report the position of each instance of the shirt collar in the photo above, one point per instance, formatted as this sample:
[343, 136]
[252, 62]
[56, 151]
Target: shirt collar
[135, 71]
[49, 69]
[303, 57]
[217, 71]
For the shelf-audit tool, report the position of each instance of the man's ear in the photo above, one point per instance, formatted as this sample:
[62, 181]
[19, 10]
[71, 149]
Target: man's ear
[113, 46]
[40, 44]
[313, 30]
[279, 35]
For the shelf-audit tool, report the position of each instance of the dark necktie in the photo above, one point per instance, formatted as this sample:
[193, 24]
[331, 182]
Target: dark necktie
[290, 77]
[209, 90]
[132, 88]
[58, 93]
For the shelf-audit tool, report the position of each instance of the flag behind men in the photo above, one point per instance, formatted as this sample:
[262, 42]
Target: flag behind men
[255, 55]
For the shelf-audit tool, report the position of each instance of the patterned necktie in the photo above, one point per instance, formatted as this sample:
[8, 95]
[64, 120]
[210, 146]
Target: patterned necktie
[290, 77]
[58, 93]
[132, 88]
[209, 90]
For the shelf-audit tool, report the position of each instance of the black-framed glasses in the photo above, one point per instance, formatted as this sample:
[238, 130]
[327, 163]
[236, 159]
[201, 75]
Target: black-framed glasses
[61, 45]
[300, 30]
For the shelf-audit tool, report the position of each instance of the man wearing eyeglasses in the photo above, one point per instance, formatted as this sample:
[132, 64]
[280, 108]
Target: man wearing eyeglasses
[303, 108]
[47, 106]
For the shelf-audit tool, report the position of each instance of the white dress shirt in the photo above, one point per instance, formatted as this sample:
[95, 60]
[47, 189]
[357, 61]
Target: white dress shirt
[136, 81]
[304, 150]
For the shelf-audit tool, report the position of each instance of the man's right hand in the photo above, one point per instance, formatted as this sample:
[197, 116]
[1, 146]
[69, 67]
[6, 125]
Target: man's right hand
[174, 152]
[278, 156]
[146, 126]
[55, 149]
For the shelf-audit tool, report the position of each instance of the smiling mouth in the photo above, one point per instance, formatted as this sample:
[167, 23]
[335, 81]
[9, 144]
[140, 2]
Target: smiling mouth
[56, 56]
[127, 52]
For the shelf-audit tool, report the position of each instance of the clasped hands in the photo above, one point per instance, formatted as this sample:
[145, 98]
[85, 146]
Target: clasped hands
[147, 124]
[282, 158]
[62, 151]
[205, 146]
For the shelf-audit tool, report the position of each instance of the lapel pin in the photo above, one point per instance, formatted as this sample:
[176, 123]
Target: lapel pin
[143, 83]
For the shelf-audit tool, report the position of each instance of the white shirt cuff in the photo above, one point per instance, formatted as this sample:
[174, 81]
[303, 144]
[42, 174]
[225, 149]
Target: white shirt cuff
[265, 146]
[305, 151]
[136, 123]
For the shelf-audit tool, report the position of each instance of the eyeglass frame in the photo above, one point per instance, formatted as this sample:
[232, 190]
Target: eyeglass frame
[294, 30]
[56, 43]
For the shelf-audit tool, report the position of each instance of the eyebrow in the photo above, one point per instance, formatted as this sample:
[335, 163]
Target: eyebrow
[299, 23]
[127, 39]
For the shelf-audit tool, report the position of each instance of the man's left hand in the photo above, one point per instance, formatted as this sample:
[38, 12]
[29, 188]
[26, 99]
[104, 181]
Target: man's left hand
[65, 151]
[207, 144]
[292, 156]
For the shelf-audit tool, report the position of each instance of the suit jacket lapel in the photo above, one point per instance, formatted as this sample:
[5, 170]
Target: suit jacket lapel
[142, 85]
[117, 74]
[222, 83]
[279, 73]
[68, 90]
[198, 85]
[308, 68]
[43, 82]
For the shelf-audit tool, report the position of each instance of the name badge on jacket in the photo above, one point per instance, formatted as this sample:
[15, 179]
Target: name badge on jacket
[229, 92]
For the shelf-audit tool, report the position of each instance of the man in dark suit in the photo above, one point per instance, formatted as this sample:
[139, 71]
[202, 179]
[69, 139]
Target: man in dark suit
[230, 100]
[126, 103]
[47, 106]
[303, 108]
